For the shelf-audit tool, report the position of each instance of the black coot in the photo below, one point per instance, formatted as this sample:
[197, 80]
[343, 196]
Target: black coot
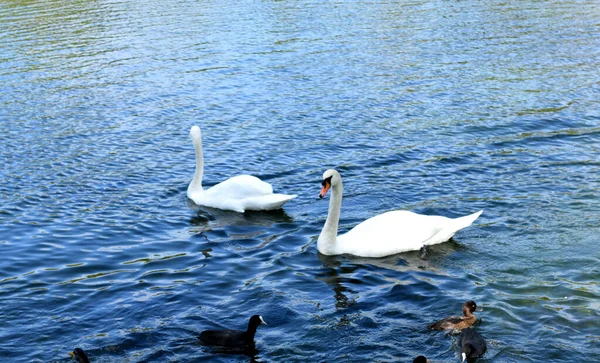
[233, 338]
[472, 344]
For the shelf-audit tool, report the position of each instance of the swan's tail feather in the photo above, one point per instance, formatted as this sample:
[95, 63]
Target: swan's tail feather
[268, 202]
[463, 222]
[454, 225]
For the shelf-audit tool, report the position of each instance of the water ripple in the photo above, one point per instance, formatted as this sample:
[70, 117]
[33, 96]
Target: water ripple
[437, 107]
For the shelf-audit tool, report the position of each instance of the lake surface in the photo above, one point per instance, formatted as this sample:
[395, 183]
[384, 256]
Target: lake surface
[439, 107]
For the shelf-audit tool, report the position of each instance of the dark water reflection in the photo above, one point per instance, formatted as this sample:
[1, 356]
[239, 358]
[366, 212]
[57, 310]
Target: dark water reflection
[443, 107]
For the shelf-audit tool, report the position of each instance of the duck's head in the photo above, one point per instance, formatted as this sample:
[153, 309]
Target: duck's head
[469, 307]
[79, 355]
[331, 178]
[257, 320]
[420, 359]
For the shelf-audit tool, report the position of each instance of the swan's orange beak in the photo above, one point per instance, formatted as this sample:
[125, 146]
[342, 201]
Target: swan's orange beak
[324, 189]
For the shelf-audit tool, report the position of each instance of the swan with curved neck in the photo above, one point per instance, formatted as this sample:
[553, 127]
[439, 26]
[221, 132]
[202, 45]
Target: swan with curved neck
[239, 193]
[385, 234]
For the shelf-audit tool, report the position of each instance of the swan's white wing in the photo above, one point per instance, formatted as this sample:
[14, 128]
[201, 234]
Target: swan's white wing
[239, 187]
[390, 233]
[267, 202]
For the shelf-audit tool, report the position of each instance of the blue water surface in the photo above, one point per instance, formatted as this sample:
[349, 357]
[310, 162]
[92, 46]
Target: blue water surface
[439, 107]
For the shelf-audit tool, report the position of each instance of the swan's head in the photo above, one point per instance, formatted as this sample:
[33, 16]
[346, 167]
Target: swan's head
[331, 178]
[195, 133]
[79, 355]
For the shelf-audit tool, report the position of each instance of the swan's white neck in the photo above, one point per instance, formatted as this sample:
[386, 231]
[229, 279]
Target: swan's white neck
[196, 183]
[328, 237]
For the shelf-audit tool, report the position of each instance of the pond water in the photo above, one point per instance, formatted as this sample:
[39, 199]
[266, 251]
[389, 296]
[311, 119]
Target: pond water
[439, 107]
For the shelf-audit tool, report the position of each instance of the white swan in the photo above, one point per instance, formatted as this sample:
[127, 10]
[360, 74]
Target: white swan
[386, 234]
[239, 193]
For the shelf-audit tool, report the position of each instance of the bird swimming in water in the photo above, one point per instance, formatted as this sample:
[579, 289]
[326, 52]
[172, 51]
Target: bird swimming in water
[458, 322]
[239, 193]
[472, 344]
[420, 359]
[384, 234]
[233, 338]
[79, 355]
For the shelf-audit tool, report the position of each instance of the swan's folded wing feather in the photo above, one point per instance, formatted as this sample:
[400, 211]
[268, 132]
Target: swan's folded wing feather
[267, 202]
[241, 193]
[240, 187]
[390, 233]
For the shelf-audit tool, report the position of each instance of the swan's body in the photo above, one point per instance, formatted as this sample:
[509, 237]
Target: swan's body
[386, 234]
[239, 193]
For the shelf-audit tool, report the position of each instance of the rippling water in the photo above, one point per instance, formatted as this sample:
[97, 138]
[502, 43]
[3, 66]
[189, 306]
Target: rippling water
[440, 107]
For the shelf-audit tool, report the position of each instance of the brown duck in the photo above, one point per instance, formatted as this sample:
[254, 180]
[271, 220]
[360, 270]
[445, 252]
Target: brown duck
[457, 322]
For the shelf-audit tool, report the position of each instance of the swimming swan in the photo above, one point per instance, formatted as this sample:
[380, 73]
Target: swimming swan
[386, 234]
[239, 193]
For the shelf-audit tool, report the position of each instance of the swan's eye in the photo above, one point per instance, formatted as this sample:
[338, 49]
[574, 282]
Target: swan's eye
[326, 181]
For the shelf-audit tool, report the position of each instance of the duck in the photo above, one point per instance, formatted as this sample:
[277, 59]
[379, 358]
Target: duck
[233, 338]
[472, 344]
[458, 322]
[239, 193]
[385, 234]
[79, 355]
[420, 359]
